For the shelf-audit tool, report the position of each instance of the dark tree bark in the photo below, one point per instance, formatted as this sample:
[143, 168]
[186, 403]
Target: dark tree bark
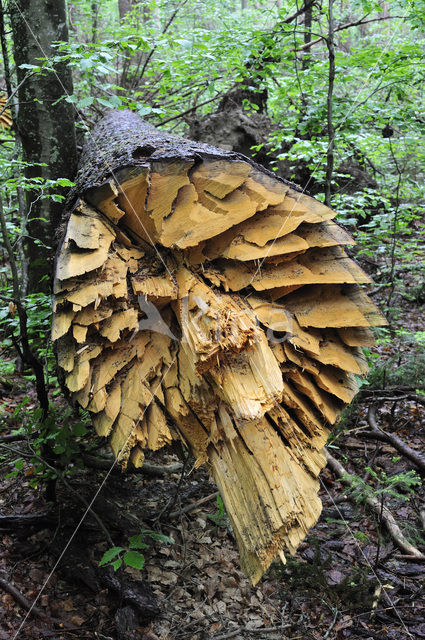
[125, 6]
[331, 129]
[46, 127]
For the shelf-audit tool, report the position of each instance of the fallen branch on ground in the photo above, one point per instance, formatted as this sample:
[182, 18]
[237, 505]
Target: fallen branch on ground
[147, 469]
[27, 605]
[387, 395]
[194, 505]
[13, 437]
[377, 433]
[382, 511]
[239, 630]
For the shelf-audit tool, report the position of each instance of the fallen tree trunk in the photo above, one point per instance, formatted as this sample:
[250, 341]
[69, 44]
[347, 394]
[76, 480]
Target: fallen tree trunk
[199, 297]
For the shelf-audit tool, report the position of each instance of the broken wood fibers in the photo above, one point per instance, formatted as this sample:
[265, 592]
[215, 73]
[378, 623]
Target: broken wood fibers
[199, 297]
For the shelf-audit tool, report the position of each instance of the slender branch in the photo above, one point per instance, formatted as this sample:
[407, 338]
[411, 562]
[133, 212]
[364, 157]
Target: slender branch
[375, 505]
[7, 74]
[191, 507]
[197, 106]
[13, 93]
[165, 29]
[348, 25]
[246, 630]
[27, 353]
[27, 605]
[56, 471]
[392, 439]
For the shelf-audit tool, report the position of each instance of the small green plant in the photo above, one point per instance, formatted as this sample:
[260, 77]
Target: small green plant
[131, 555]
[220, 517]
[59, 431]
[399, 485]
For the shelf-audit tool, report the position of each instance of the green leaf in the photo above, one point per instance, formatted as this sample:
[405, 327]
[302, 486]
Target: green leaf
[136, 542]
[117, 564]
[134, 559]
[157, 536]
[109, 555]
[80, 429]
[113, 102]
[85, 102]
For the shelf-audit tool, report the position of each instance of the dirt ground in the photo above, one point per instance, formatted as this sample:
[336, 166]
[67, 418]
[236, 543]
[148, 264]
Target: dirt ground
[349, 579]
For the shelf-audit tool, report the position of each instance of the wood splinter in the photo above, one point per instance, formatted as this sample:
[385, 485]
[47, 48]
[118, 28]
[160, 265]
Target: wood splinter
[199, 297]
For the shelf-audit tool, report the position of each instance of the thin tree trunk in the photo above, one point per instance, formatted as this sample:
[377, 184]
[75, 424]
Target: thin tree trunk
[308, 19]
[94, 16]
[331, 130]
[45, 123]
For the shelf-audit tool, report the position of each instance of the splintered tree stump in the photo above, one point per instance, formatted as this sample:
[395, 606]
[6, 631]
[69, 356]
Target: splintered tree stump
[200, 297]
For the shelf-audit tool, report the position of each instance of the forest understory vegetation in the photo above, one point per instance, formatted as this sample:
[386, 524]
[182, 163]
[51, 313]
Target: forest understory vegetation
[150, 554]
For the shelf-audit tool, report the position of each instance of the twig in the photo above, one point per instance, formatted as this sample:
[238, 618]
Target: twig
[375, 505]
[165, 29]
[15, 90]
[347, 25]
[13, 437]
[236, 632]
[331, 626]
[147, 468]
[29, 357]
[67, 485]
[385, 395]
[193, 505]
[27, 605]
[197, 106]
[392, 439]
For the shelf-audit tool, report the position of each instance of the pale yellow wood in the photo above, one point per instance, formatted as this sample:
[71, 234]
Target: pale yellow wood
[112, 327]
[357, 337]
[132, 192]
[340, 384]
[79, 332]
[329, 265]
[158, 432]
[110, 281]
[282, 325]
[104, 420]
[166, 179]
[154, 286]
[250, 382]
[61, 323]
[78, 376]
[324, 234]
[270, 498]
[219, 177]
[98, 402]
[189, 427]
[137, 457]
[333, 352]
[105, 199]
[333, 306]
[304, 410]
[90, 315]
[212, 323]
[240, 249]
[65, 353]
[264, 189]
[88, 229]
[198, 216]
[319, 398]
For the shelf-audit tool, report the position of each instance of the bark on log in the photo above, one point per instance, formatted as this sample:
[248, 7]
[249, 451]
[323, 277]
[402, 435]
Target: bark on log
[201, 298]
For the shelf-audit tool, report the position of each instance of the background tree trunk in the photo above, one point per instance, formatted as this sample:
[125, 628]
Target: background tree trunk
[47, 129]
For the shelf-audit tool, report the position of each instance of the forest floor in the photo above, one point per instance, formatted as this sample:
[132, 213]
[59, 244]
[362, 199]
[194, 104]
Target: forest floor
[348, 580]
